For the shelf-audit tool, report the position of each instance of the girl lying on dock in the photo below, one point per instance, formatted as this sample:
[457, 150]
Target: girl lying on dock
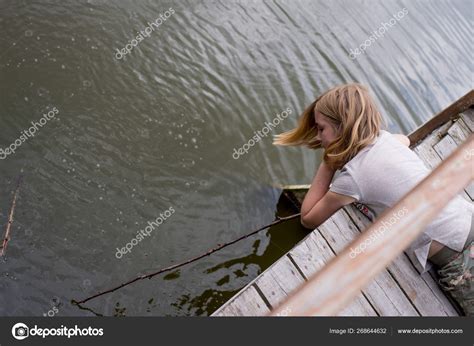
[376, 168]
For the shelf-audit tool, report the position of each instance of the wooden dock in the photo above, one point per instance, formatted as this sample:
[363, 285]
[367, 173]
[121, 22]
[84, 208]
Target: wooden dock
[399, 290]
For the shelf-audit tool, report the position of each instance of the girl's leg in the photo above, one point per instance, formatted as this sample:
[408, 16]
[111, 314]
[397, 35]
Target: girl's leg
[457, 278]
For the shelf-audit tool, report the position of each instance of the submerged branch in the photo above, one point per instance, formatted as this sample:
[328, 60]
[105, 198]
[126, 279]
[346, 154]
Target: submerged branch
[6, 237]
[174, 266]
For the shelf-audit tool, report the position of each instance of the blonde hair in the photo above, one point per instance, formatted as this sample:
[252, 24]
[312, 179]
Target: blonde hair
[353, 113]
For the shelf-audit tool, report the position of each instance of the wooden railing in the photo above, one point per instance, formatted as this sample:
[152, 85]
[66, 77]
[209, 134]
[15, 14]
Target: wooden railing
[451, 112]
[334, 286]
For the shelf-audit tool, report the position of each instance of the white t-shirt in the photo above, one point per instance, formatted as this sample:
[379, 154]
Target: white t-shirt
[381, 174]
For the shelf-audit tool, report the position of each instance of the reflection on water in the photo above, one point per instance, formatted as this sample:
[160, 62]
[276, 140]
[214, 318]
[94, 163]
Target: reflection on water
[157, 129]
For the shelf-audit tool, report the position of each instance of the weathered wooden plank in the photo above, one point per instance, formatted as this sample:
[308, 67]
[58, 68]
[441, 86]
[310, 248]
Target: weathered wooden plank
[246, 303]
[428, 155]
[431, 158]
[425, 150]
[424, 293]
[437, 134]
[383, 292]
[442, 117]
[279, 280]
[444, 148]
[468, 118]
[459, 132]
[311, 255]
[434, 136]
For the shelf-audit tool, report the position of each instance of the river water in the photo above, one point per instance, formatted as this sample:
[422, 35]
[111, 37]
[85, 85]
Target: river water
[153, 131]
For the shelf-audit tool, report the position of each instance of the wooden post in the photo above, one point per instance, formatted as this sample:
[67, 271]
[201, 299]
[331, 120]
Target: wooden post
[335, 285]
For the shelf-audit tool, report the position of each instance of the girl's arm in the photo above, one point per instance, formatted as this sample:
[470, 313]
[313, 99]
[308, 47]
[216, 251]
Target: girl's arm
[403, 139]
[320, 203]
[318, 189]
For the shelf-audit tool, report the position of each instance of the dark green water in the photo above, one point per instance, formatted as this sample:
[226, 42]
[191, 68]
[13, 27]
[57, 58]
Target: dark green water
[157, 128]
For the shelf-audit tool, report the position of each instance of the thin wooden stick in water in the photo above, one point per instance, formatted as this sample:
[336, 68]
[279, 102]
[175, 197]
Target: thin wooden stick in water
[174, 266]
[6, 237]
